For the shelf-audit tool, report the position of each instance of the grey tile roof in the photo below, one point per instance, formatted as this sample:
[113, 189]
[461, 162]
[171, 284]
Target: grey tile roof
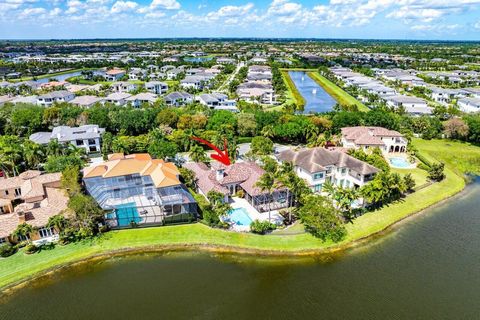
[317, 159]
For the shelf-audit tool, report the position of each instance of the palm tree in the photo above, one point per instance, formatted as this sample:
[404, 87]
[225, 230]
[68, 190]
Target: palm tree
[266, 183]
[23, 230]
[33, 154]
[58, 222]
[197, 153]
[54, 148]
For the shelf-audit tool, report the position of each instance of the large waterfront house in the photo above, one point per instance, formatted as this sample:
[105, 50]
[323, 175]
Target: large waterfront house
[87, 136]
[137, 189]
[32, 198]
[319, 165]
[372, 137]
[240, 176]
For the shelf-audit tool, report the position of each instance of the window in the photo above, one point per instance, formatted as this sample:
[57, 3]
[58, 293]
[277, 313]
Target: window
[79, 142]
[6, 192]
[2, 240]
[21, 237]
[93, 149]
[46, 232]
[91, 141]
[318, 187]
[2, 211]
[18, 192]
[317, 176]
[344, 170]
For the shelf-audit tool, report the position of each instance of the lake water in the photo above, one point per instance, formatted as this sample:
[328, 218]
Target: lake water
[316, 98]
[427, 268]
[60, 78]
[197, 59]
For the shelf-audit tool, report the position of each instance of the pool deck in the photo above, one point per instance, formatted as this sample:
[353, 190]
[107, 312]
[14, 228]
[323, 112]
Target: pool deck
[275, 217]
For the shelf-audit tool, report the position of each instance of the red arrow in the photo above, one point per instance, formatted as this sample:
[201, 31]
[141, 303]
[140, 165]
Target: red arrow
[221, 156]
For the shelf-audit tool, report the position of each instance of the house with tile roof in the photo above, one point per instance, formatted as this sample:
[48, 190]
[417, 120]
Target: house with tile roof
[40, 196]
[319, 165]
[136, 189]
[239, 176]
[374, 137]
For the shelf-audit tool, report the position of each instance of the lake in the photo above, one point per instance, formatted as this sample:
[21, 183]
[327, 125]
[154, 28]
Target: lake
[426, 268]
[60, 78]
[198, 59]
[316, 98]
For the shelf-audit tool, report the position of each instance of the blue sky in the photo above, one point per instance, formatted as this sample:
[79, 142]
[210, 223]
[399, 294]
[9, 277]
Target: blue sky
[379, 19]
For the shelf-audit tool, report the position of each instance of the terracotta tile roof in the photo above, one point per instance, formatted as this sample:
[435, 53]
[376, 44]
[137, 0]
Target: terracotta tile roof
[31, 183]
[36, 214]
[245, 174]
[368, 135]
[163, 174]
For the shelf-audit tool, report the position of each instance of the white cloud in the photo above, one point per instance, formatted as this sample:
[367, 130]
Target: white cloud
[165, 4]
[124, 6]
[230, 12]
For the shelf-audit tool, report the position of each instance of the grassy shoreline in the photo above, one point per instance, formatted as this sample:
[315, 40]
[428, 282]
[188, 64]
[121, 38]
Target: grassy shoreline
[336, 92]
[292, 93]
[21, 267]
[52, 75]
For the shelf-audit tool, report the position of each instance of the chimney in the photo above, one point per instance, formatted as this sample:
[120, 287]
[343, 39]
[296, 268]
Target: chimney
[370, 131]
[220, 173]
[21, 216]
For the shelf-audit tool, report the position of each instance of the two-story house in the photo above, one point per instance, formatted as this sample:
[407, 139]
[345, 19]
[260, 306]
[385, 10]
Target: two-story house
[41, 197]
[48, 99]
[137, 189]
[318, 165]
[87, 137]
[373, 137]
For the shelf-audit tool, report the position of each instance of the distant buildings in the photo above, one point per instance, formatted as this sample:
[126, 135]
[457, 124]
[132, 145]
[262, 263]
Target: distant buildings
[177, 99]
[139, 190]
[87, 137]
[48, 99]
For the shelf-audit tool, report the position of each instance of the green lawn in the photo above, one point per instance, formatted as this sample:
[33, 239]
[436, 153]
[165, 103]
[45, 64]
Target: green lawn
[462, 157]
[419, 175]
[336, 92]
[21, 266]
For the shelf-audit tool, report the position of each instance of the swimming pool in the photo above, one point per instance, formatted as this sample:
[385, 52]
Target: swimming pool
[126, 214]
[240, 217]
[398, 162]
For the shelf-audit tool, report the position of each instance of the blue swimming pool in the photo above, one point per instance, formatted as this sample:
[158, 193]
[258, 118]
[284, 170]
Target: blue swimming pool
[126, 214]
[398, 162]
[240, 217]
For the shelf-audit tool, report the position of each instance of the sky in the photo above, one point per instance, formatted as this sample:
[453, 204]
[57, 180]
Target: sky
[362, 19]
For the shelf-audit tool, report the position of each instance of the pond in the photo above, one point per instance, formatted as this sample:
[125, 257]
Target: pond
[60, 78]
[198, 59]
[427, 268]
[316, 98]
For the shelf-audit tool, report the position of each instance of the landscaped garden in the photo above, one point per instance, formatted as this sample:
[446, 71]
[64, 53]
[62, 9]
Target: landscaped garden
[199, 236]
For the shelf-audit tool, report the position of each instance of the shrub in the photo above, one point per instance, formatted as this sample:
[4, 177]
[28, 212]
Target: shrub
[7, 250]
[262, 227]
[31, 248]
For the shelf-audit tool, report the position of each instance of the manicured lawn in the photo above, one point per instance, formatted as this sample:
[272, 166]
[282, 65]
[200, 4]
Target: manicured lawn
[460, 156]
[336, 92]
[419, 175]
[20, 265]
